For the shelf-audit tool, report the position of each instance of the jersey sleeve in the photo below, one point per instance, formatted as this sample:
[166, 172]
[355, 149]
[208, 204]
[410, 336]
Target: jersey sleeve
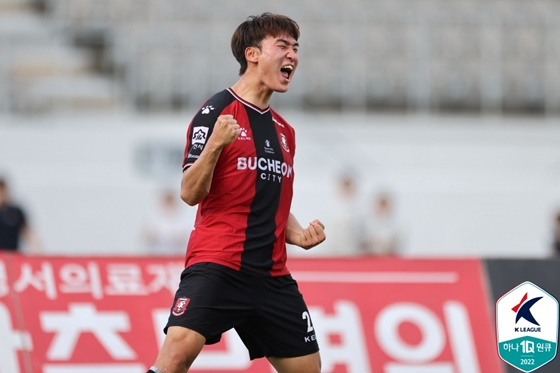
[198, 133]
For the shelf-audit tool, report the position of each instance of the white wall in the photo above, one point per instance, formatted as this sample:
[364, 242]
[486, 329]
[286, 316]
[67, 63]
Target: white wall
[463, 186]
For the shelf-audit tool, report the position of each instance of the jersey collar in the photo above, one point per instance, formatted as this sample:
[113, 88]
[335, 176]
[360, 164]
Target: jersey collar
[247, 103]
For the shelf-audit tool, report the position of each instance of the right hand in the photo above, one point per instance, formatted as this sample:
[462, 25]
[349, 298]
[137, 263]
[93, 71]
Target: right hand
[225, 130]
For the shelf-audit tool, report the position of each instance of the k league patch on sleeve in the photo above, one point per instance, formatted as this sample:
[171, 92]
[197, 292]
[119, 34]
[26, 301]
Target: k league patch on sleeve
[199, 135]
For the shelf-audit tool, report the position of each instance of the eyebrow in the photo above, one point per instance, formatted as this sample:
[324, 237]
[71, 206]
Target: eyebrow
[296, 44]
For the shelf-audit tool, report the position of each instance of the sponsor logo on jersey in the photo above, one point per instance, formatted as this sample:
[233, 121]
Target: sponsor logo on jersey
[270, 169]
[199, 135]
[243, 135]
[267, 148]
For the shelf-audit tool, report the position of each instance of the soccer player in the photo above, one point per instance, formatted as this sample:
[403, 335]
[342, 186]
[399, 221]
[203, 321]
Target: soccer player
[238, 168]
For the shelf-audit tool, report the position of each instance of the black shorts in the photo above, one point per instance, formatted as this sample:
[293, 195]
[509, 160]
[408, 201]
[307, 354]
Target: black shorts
[268, 313]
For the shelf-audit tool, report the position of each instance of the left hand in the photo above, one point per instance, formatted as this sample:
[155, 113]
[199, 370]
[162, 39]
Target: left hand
[313, 235]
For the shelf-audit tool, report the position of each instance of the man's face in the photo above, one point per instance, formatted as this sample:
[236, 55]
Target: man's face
[277, 62]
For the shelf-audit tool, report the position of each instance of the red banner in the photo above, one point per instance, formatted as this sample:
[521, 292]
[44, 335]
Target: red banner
[86, 315]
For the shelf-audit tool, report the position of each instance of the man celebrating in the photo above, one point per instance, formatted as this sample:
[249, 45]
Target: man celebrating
[238, 168]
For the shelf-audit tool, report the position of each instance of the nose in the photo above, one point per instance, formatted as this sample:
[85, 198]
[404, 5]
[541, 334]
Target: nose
[292, 55]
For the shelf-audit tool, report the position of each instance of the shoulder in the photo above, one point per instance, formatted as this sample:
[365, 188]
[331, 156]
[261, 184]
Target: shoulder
[219, 101]
[216, 104]
[209, 112]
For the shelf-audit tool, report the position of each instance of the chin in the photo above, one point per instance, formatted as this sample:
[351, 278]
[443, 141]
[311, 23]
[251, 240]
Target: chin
[282, 88]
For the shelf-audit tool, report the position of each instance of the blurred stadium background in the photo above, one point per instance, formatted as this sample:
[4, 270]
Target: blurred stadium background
[452, 105]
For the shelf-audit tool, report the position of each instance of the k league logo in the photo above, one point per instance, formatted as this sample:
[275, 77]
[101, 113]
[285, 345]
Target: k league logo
[527, 327]
[199, 135]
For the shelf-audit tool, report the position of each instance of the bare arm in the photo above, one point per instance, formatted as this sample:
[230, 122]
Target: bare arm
[197, 179]
[305, 238]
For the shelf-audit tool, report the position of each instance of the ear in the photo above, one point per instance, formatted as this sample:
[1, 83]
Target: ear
[252, 54]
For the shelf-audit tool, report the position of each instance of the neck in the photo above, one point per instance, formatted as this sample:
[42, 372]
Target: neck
[252, 91]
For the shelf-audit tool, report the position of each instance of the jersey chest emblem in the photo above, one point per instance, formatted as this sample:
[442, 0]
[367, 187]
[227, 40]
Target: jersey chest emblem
[284, 142]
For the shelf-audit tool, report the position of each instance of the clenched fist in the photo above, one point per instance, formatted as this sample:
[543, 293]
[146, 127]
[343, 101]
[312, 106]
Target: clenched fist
[313, 235]
[225, 130]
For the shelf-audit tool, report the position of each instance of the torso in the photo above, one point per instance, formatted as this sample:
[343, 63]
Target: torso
[241, 222]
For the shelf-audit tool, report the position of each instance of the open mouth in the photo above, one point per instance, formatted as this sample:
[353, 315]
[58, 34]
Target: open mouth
[287, 71]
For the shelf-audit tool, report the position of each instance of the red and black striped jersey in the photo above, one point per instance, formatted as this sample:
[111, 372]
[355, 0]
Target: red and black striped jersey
[241, 223]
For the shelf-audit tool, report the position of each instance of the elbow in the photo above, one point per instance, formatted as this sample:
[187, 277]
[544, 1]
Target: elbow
[191, 203]
[193, 193]
[188, 199]
[192, 199]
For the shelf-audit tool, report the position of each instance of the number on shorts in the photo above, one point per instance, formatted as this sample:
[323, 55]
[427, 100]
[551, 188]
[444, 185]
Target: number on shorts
[306, 316]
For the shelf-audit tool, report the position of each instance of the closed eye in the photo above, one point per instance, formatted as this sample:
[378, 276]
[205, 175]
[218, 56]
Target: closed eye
[283, 44]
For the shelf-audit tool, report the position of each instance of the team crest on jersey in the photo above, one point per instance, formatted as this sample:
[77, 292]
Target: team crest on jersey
[199, 135]
[284, 142]
[180, 306]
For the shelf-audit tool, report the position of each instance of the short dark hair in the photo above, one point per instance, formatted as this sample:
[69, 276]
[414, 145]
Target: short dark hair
[256, 28]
